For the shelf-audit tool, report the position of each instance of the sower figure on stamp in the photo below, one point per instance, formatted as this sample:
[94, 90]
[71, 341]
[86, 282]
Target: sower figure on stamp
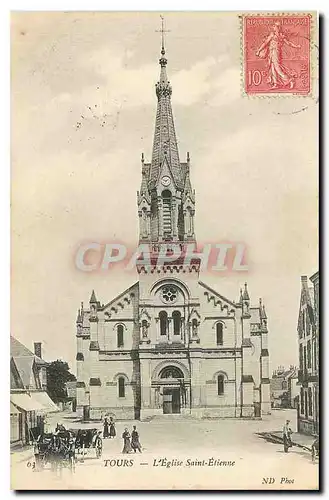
[135, 444]
[271, 49]
[287, 436]
[126, 442]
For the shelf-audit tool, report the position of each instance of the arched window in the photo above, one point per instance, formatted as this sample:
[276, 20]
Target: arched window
[120, 335]
[163, 322]
[177, 322]
[171, 372]
[121, 387]
[219, 333]
[220, 385]
[166, 204]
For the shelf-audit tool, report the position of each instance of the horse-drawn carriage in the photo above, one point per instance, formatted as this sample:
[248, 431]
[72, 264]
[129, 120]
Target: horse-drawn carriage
[64, 448]
[56, 450]
[87, 440]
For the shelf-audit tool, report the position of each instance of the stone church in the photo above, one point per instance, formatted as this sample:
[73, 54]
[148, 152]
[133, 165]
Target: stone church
[170, 344]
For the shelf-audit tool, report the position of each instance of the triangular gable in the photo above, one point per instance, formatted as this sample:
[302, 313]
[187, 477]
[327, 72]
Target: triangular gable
[119, 299]
[225, 302]
[15, 379]
[25, 368]
[165, 169]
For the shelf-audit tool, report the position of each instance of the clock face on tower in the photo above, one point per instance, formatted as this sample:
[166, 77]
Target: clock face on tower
[165, 180]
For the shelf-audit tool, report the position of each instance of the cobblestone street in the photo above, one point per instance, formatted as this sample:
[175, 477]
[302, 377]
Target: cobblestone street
[177, 440]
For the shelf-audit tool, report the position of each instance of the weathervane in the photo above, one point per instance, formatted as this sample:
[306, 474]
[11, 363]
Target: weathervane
[162, 31]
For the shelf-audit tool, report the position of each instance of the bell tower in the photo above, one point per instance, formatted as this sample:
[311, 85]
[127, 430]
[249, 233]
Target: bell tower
[166, 200]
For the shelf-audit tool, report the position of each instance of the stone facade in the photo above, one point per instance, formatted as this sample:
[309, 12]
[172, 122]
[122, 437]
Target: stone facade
[308, 340]
[171, 344]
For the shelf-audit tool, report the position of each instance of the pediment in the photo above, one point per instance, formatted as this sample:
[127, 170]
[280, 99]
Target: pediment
[217, 299]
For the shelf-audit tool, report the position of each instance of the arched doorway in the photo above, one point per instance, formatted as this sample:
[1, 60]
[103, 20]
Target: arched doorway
[172, 381]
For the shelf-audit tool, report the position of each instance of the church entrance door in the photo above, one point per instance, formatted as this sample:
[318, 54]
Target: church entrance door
[171, 400]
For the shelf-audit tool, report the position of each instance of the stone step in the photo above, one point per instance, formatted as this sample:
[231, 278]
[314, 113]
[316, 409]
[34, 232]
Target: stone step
[169, 417]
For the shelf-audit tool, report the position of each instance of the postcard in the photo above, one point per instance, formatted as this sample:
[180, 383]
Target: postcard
[165, 275]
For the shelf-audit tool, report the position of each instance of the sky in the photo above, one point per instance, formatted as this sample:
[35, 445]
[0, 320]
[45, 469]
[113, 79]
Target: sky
[83, 110]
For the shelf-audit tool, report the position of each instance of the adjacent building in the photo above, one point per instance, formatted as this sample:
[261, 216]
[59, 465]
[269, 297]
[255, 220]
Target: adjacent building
[170, 343]
[308, 341]
[71, 395]
[284, 387]
[29, 401]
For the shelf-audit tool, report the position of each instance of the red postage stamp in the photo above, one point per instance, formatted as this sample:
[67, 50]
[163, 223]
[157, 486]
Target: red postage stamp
[276, 52]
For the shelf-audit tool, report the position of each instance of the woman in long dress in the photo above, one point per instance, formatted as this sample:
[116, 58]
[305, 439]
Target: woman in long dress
[271, 49]
[126, 442]
[106, 428]
[135, 444]
[112, 428]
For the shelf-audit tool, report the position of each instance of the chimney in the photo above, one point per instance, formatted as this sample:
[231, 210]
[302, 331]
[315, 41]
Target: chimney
[37, 349]
[304, 280]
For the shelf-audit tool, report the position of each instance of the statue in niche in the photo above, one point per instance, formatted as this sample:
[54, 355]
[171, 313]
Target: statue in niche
[144, 329]
[194, 328]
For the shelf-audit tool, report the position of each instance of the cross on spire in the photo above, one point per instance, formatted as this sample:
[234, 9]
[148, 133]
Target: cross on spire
[162, 31]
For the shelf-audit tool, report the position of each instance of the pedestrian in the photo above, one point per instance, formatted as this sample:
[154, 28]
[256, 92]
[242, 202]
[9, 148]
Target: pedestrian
[126, 442]
[287, 436]
[106, 433]
[135, 444]
[112, 428]
[315, 449]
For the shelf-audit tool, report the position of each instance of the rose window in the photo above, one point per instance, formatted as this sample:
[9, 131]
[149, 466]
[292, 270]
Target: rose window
[169, 294]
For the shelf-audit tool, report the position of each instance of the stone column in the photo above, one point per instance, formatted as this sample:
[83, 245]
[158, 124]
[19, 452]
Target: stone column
[145, 374]
[192, 222]
[170, 329]
[148, 223]
[160, 217]
[174, 218]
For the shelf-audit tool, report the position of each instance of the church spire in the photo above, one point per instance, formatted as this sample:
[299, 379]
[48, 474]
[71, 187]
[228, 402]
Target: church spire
[165, 148]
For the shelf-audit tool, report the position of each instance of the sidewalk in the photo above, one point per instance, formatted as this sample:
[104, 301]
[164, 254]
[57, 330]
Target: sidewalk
[297, 439]
[21, 453]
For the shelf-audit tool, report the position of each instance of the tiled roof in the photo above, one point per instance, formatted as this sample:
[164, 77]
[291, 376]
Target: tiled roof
[17, 350]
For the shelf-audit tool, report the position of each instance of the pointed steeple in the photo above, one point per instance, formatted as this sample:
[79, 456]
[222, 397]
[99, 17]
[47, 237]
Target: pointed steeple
[144, 192]
[165, 148]
[245, 292]
[188, 191]
[79, 318]
[93, 299]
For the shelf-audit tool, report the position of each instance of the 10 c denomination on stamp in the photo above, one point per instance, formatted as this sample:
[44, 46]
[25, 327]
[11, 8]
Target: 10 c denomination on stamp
[276, 54]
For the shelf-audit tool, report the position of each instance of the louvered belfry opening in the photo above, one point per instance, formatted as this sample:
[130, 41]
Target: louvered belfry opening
[167, 204]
